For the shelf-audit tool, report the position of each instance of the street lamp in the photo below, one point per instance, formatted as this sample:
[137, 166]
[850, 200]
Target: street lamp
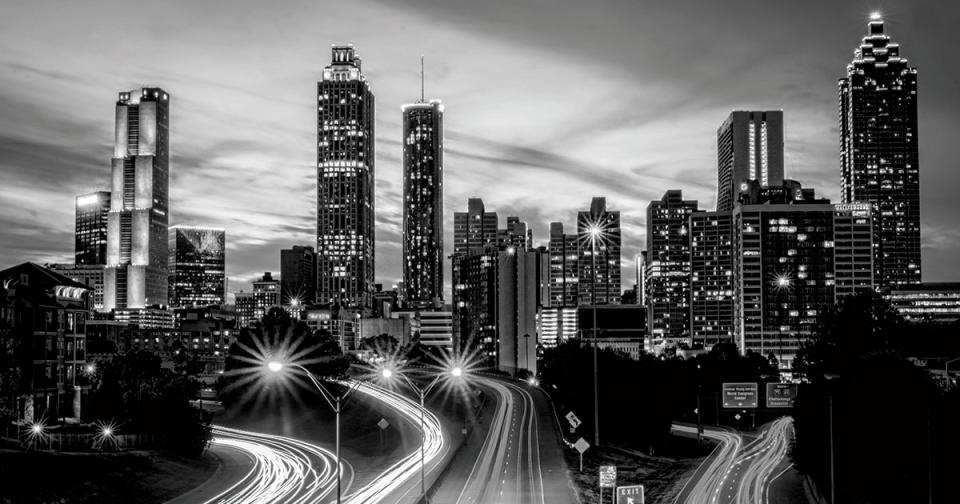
[388, 374]
[335, 402]
[595, 234]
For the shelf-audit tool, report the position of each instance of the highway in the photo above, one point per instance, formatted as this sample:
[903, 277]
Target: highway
[739, 471]
[282, 470]
[521, 459]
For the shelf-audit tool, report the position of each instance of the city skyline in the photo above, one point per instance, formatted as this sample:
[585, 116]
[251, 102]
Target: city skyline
[222, 179]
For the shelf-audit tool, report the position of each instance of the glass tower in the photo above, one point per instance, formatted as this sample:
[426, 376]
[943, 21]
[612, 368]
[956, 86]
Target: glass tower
[345, 184]
[749, 147]
[90, 239]
[879, 161]
[422, 203]
[197, 266]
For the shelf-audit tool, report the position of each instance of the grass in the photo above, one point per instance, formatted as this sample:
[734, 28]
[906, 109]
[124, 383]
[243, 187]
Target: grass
[661, 476]
[141, 477]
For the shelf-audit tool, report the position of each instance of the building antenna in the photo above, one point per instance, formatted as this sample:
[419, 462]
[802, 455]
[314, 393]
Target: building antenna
[421, 79]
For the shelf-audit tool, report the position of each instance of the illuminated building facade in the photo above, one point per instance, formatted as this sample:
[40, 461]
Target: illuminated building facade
[607, 274]
[298, 276]
[564, 267]
[90, 238]
[266, 295]
[136, 270]
[516, 235]
[474, 229]
[749, 147]
[879, 161]
[929, 302]
[853, 248]
[423, 204]
[244, 305]
[474, 285]
[345, 184]
[197, 266]
[785, 266]
[667, 263]
[711, 278]
[556, 324]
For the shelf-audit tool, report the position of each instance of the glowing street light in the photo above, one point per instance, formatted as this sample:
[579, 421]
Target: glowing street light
[876, 16]
[107, 432]
[335, 402]
[595, 232]
[36, 429]
[455, 372]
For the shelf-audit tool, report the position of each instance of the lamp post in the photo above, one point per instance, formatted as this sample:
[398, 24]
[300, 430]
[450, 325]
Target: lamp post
[335, 402]
[388, 373]
[594, 236]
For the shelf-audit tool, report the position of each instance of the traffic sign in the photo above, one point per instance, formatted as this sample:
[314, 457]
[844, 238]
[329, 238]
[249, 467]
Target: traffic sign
[574, 421]
[608, 476]
[383, 424]
[739, 395]
[631, 494]
[781, 395]
[581, 445]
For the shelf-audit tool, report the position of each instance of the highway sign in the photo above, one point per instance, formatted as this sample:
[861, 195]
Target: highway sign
[581, 445]
[608, 476]
[574, 421]
[781, 395]
[739, 395]
[632, 494]
[383, 424]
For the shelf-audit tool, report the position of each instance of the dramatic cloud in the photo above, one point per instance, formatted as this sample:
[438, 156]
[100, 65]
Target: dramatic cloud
[547, 105]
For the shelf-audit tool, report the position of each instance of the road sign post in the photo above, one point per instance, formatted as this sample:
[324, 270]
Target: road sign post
[781, 395]
[739, 395]
[581, 445]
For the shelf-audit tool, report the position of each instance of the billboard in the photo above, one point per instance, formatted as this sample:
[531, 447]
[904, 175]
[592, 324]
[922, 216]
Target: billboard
[781, 395]
[739, 395]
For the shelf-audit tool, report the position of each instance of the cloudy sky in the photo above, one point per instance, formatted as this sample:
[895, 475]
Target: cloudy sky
[548, 103]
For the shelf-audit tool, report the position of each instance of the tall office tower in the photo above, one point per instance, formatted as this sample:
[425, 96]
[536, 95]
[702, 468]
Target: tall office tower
[668, 266]
[749, 147]
[474, 229]
[786, 265]
[564, 264]
[266, 295]
[197, 266]
[516, 235]
[853, 248]
[518, 298]
[136, 271]
[607, 275]
[298, 276]
[879, 162]
[345, 184]
[711, 278]
[90, 239]
[475, 287]
[423, 204]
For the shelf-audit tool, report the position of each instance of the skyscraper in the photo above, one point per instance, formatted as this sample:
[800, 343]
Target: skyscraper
[197, 266]
[749, 147]
[711, 278]
[516, 234]
[607, 274]
[266, 295]
[879, 161]
[667, 274]
[423, 203]
[90, 238]
[136, 272]
[298, 276]
[345, 183]
[564, 264]
[474, 229]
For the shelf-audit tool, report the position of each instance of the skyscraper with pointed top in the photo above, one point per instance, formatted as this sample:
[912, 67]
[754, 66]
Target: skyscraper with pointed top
[422, 201]
[345, 183]
[879, 160]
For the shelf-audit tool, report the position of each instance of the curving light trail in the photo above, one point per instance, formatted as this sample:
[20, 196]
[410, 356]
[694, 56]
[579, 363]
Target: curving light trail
[508, 468]
[740, 474]
[284, 469]
[407, 469]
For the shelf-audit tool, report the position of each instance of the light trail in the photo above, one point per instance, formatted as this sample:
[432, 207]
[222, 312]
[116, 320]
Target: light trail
[740, 474]
[508, 468]
[284, 469]
[407, 469]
